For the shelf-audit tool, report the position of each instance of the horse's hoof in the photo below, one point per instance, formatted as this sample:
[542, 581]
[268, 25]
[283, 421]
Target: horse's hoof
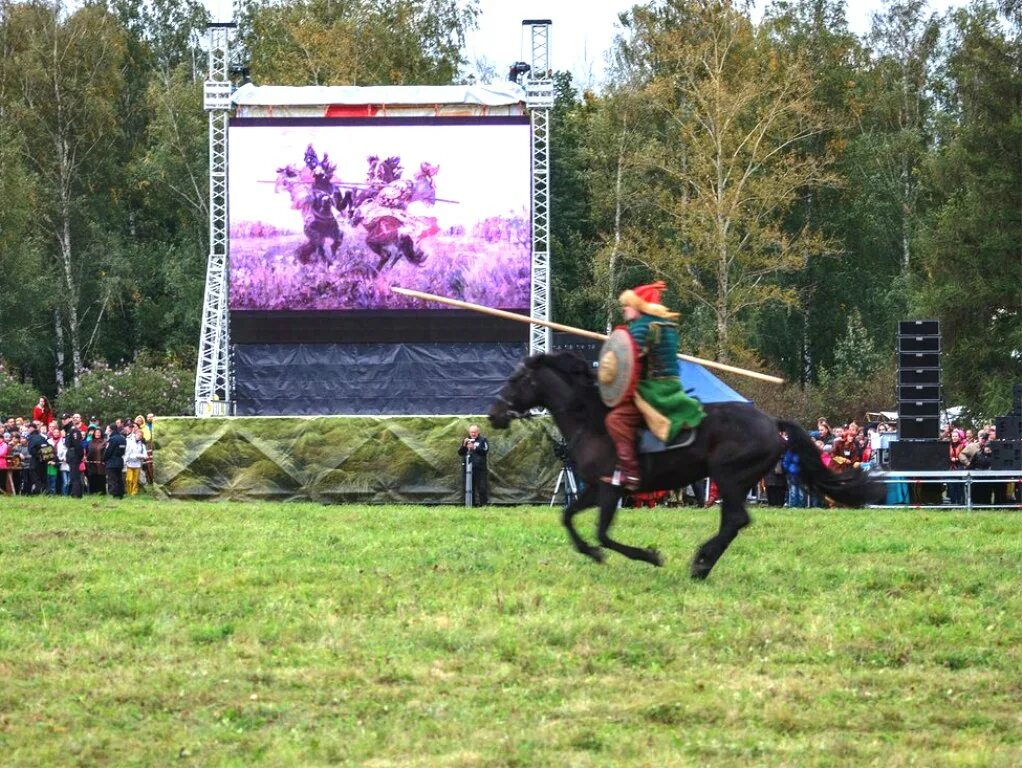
[655, 558]
[701, 568]
[596, 553]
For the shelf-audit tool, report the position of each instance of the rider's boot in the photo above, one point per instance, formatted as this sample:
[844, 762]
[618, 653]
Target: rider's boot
[626, 473]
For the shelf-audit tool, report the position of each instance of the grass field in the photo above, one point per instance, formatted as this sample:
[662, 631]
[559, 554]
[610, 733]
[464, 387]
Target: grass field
[159, 633]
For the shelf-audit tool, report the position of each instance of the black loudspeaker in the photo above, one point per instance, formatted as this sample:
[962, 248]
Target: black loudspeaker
[913, 408]
[1006, 454]
[919, 359]
[919, 400]
[1009, 427]
[912, 376]
[913, 392]
[1016, 398]
[920, 455]
[918, 427]
[919, 328]
[919, 344]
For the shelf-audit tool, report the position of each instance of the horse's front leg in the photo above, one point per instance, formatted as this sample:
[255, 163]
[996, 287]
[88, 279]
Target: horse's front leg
[609, 497]
[584, 500]
[733, 517]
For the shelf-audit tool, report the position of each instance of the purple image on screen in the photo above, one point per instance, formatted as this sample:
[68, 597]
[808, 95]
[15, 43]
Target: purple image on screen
[330, 216]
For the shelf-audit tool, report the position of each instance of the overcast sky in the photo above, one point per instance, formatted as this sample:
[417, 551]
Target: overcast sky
[583, 31]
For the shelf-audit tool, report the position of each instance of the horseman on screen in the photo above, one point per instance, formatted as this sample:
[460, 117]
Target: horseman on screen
[380, 207]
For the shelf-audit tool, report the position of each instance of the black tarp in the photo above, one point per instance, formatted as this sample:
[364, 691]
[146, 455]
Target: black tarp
[370, 379]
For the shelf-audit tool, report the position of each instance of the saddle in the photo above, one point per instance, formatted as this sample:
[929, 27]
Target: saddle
[650, 443]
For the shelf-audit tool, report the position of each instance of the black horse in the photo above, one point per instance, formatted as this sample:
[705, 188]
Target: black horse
[734, 446]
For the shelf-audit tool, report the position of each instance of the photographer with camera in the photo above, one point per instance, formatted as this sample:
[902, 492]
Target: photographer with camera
[473, 450]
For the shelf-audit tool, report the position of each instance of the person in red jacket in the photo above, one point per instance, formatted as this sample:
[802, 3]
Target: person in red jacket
[43, 412]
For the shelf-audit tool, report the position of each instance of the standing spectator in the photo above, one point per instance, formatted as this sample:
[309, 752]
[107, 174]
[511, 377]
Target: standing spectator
[796, 496]
[476, 447]
[5, 472]
[863, 448]
[41, 452]
[134, 456]
[27, 470]
[825, 452]
[75, 455]
[52, 465]
[42, 412]
[113, 458]
[94, 466]
[823, 432]
[63, 469]
[845, 454]
[956, 490]
[982, 460]
[776, 485]
[971, 448]
[146, 436]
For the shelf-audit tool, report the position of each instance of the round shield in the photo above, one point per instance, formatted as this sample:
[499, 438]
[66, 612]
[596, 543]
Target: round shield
[619, 369]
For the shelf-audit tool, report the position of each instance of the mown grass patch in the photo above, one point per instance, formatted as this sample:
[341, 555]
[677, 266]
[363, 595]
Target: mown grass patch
[151, 633]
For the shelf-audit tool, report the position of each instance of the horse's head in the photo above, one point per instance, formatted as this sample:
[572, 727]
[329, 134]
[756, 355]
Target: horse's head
[556, 381]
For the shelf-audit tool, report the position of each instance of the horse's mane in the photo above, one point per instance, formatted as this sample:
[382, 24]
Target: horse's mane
[580, 376]
[571, 364]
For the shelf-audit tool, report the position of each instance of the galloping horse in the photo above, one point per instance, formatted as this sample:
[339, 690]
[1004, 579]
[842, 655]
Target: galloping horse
[734, 446]
[316, 206]
[391, 232]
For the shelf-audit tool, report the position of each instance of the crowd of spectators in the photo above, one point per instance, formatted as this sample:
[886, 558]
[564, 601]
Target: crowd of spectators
[69, 456]
[851, 445]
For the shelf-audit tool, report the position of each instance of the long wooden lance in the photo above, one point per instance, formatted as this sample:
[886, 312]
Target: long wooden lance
[571, 329]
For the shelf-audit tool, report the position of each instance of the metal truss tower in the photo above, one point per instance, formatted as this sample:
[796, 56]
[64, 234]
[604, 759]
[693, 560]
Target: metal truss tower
[213, 369]
[539, 98]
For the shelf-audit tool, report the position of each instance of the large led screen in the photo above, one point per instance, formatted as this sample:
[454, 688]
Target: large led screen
[328, 214]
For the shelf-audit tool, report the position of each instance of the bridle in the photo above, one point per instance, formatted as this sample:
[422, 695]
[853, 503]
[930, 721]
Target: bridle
[511, 412]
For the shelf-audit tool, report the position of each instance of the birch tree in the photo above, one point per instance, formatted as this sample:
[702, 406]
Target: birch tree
[724, 160]
[64, 75]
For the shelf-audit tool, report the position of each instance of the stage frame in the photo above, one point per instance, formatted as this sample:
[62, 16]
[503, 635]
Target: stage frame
[214, 385]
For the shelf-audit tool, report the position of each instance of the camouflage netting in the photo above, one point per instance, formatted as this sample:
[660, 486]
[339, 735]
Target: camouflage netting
[398, 459]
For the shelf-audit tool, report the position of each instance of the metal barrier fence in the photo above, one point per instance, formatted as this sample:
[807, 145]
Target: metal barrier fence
[920, 478]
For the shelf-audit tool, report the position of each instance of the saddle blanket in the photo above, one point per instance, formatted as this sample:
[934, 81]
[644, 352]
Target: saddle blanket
[650, 443]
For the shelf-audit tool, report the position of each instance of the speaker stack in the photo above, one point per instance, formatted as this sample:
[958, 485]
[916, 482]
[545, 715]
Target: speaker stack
[919, 398]
[1007, 449]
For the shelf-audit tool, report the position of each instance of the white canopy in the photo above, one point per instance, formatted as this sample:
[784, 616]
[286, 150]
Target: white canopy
[496, 95]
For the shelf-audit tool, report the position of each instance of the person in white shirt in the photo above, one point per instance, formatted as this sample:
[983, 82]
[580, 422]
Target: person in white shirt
[65, 468]
[134, 457]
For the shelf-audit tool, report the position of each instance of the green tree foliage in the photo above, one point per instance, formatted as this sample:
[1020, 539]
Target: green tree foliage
[17, 398]
[62, 79]
[357, 42]
[971, 244]
[861, 377]
[140, 387]
[722, 160]
[801, 188]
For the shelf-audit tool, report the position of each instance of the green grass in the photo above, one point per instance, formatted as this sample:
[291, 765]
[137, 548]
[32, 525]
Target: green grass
[152, 633]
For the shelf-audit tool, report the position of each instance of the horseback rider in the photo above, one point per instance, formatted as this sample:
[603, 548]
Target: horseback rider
[659, 400]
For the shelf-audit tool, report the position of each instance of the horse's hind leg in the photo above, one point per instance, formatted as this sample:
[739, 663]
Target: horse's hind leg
[733, 517]
[582, 501]
[609, 497]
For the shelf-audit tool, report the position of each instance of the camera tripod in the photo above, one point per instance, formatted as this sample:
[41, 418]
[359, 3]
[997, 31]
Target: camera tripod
[567, 477]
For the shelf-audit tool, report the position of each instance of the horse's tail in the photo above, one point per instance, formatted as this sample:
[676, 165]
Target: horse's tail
[851, 487]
